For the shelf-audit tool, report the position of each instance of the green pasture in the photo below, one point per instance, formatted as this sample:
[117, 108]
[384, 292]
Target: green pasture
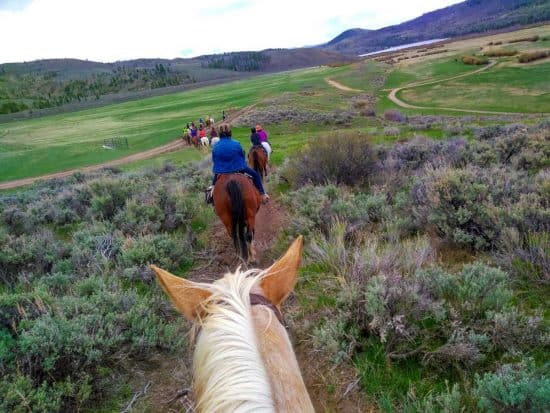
[510, 88]
[60, 142]
[437, 69]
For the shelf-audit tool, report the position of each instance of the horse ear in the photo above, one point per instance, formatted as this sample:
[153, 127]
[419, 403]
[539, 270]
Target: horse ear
[186, 296]
[280, 279]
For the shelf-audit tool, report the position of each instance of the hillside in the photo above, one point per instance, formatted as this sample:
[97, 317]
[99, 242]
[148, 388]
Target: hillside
[51, 83]
[425, 275]
[471, 16]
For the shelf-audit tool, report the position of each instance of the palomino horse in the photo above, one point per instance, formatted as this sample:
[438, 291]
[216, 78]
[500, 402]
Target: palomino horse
[236, 202]
[204, 142]
[257, 159]
[243, 359]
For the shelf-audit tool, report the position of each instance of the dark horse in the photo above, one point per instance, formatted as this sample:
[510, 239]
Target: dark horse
[257, 160]
[186, 138]
[236, 201]
[195, 140]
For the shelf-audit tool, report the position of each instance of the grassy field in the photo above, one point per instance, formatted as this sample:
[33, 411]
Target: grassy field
[60, 142]
[72, 140]
[506, 87]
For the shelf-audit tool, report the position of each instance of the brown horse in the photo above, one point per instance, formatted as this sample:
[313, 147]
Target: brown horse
[257, 159]
[195, 140]
[186, 138]
[236, 202]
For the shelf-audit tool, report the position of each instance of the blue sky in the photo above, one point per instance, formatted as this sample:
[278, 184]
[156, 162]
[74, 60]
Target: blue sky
[110, 30]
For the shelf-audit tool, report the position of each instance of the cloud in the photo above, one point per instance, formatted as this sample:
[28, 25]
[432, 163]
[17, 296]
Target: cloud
[107, 30]
[14, 5]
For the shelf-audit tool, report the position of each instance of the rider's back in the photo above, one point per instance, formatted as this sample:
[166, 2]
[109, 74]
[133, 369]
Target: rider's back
[228, 156]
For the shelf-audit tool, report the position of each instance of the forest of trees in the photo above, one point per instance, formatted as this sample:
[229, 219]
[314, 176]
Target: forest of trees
[239, 61]
[23, 91]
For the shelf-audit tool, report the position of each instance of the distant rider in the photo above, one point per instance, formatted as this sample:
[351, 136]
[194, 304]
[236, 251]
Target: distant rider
[263, 139]
[256, 140]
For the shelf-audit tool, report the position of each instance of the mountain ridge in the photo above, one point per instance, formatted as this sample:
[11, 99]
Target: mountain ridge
[468, 17]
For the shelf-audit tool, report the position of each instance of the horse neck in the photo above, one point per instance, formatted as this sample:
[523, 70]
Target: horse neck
[229, 374]
[244, 361]
[287, 385]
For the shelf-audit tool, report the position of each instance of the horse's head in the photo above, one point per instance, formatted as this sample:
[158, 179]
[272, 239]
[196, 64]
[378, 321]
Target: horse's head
[243, 358]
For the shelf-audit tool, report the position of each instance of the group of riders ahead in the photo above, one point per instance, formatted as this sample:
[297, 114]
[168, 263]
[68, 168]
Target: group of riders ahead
[228, 155]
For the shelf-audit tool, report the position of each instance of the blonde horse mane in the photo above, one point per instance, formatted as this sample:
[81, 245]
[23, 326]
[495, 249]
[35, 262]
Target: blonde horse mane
[243, 359]
[229, 371]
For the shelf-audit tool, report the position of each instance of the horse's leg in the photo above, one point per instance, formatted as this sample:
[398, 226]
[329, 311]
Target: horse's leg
[250, 224]
[250, 245]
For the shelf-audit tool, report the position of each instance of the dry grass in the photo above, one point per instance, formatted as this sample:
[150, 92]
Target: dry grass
[500, 52]
[525, 39]
[532, 56]
[474, 60]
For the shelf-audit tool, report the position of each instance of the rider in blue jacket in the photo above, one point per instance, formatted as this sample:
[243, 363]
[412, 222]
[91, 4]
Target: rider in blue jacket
[228, 157]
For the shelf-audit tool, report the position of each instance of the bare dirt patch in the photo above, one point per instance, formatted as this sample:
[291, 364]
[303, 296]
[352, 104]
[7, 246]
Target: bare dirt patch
[340, 86]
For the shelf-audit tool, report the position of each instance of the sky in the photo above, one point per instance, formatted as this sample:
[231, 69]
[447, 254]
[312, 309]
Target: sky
[111, 30]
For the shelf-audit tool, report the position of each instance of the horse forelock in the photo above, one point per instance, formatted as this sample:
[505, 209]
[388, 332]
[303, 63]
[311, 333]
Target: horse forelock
[229, 374]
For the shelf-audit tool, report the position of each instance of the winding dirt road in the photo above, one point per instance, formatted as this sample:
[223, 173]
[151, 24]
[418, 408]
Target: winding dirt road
[170, 147]
[393, 94]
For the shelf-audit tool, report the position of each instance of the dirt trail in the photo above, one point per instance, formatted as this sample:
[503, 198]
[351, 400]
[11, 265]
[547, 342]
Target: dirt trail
[340, 86]
[393, 94]
[170, 377]
[169, 147]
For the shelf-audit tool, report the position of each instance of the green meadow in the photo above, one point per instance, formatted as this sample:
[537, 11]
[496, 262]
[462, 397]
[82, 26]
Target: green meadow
[504, 89]
[55, 143]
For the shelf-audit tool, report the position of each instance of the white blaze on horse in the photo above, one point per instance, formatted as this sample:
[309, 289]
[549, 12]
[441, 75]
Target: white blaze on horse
[243, 359]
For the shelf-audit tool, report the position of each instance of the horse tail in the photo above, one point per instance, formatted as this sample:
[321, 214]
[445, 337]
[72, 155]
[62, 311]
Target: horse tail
[238, 226]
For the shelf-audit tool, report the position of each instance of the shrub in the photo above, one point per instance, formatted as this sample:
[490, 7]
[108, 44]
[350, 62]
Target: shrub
[16, 220]
[524, 39]
[412, 155]
[341, 159]
[514, 387]
[139, 217]
[395, 116]
[109, 196]
[457, 204]
[481, 289]
[447, 401]
[160, 249]
[392, 131]
[453, 129]
[76, 295]
[532, 56]
[526, 255]
[500, 52]
[369, 112]
[475, 60]
[312, 205]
